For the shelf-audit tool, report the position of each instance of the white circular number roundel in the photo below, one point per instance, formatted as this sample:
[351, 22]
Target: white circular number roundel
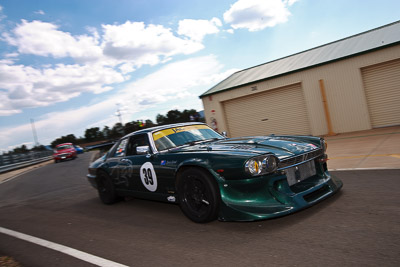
[148, 176]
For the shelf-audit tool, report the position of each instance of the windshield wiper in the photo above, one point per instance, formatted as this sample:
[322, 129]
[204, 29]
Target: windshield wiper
[192, 143]
[212, 139]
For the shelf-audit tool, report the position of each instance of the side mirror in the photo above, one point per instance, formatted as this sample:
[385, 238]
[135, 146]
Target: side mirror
[224, 134]
[142, 150]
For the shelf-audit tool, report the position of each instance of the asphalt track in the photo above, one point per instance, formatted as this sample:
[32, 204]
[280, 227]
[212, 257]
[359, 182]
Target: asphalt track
[359, 226]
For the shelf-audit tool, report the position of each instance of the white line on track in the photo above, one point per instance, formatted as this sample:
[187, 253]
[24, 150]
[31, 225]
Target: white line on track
[63, 249]
[364, 169]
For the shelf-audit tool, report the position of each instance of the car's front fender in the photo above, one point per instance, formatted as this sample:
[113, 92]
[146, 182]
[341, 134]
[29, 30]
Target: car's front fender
[195, 162]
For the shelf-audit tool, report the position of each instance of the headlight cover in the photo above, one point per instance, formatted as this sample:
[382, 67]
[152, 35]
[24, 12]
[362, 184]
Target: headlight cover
[261, 165]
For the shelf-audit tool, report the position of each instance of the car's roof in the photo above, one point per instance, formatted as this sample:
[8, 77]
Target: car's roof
[162, 127]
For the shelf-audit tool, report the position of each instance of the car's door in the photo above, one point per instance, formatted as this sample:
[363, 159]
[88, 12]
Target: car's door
[125, 164]
[137, 169]
[142, 177]
[148, 176]
[118, 165]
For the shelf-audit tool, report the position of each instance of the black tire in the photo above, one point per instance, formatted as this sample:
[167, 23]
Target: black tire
[199, 196]
[106, 189]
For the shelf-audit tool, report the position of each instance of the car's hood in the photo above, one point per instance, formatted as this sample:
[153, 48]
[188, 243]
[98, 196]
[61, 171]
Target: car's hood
[281, 146]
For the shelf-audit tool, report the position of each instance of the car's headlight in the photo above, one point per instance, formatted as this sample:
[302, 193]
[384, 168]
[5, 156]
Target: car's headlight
[261, 165]
[270, 164]
[253, 167]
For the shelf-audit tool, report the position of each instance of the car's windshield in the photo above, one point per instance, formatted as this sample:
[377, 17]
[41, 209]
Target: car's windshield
[178, 136]
[63, 147]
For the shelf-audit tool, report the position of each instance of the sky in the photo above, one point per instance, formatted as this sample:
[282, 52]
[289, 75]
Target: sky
[70, 65]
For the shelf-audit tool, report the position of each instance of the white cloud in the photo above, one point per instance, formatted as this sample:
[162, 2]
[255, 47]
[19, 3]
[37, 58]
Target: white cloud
[127, 68]
[197, 29]
[28, 87]
[131, 43]
[104, 60]
[44, 39]
[141, 44]
[172, 81]
[2, 16]
[39, 12]
[290, 2]
[11, 55]
[256, 15]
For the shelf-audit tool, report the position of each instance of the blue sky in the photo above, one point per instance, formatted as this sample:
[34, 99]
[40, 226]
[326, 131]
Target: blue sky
[70, 64]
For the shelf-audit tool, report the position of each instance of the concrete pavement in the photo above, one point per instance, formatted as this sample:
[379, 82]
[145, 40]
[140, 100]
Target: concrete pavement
[372, 149]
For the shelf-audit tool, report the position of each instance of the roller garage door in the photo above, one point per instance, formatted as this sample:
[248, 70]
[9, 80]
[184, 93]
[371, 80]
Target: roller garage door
[277, 111]
[382, 88]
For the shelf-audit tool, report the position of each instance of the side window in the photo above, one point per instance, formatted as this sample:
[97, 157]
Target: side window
[120, 151]
[135, 141]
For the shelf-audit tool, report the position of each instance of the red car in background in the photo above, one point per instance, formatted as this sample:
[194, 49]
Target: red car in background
[64, 151]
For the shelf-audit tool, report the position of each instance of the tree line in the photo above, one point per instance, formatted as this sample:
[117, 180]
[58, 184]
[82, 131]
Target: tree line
[96, 134]
[118, 130]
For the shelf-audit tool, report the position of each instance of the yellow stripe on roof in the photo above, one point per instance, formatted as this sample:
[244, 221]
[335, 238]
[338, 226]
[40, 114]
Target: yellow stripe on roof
[166, 132]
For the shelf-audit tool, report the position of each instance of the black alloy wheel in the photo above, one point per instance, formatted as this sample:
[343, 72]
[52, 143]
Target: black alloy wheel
[199, 196]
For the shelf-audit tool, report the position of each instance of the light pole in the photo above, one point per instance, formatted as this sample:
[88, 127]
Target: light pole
[35, 138]
[118, 114]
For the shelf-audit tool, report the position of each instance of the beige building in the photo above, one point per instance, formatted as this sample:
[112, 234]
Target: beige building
[349, 85]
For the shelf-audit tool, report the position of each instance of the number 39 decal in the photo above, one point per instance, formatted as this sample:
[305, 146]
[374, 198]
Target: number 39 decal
[148, 176]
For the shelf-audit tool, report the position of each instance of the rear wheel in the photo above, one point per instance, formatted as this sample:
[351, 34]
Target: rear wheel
[106, 189]
[199, 197]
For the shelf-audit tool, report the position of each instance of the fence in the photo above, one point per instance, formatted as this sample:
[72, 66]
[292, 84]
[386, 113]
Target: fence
[15, 161]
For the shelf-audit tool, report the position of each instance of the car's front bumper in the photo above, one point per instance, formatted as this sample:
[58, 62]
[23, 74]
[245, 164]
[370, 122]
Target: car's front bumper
[271, 196]
[64, 156]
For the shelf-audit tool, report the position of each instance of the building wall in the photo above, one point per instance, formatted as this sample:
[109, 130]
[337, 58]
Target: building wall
[344, 89]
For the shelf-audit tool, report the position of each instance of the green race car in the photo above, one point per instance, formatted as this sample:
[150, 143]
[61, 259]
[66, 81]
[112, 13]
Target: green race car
[211, 176]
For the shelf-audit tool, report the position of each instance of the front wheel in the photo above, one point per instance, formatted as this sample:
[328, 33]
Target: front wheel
[106, 189]
[199, 197]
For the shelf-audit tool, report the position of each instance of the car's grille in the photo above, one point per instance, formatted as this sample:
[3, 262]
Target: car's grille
[285, 163]
[64, 155]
